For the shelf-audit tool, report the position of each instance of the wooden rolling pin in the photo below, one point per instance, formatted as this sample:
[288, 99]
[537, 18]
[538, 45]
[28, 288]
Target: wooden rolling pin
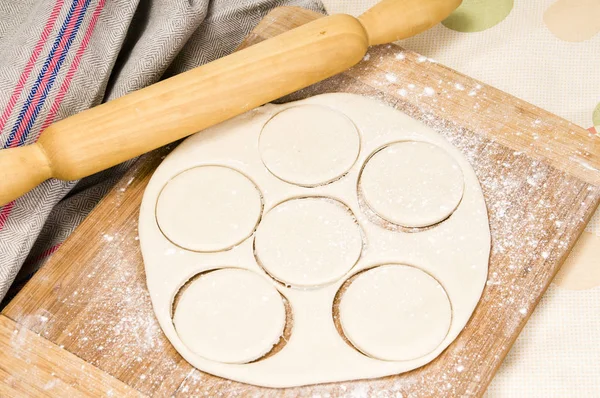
[106, 135]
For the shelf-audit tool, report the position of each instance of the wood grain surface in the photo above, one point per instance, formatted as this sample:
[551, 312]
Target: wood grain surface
[32, 366]
[541, 180]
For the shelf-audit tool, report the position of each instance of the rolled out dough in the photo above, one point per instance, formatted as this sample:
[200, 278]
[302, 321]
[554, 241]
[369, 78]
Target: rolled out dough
[230, 315]
[392, 318]
[412, 184]
[308, 242]
[395, 312]
[208, 208]
[309, 145]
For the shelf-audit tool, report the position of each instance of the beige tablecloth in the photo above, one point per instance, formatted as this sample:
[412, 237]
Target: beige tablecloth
[546, 52]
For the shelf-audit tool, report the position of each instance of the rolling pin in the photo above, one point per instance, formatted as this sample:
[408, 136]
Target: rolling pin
[108, 134]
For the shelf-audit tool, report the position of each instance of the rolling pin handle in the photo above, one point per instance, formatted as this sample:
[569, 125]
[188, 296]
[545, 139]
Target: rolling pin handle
[392, 20]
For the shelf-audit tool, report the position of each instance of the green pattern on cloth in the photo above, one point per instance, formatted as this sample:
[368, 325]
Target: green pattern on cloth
[478, 15]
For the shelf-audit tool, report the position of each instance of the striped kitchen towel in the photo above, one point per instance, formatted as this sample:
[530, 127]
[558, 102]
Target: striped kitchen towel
[59, 57]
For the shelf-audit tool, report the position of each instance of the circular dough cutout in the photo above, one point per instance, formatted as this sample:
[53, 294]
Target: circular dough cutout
[412, 184]
[308, 241]
[309, 145]
[230, 315]
[395, 313]
[208, 208]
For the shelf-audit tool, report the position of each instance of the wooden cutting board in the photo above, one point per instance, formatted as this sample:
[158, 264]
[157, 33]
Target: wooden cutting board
[88, 307]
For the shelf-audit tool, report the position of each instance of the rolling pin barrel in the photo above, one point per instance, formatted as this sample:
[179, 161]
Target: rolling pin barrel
[106, 135]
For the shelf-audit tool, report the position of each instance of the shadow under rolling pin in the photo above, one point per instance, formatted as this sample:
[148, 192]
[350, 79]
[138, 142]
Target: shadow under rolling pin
[108, 134]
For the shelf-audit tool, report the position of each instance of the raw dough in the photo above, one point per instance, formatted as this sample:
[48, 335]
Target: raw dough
[208, 208]
[230, 315]
[308, 242]
[395, 313]
[309, 145]
[454, 252]
[412, 184]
